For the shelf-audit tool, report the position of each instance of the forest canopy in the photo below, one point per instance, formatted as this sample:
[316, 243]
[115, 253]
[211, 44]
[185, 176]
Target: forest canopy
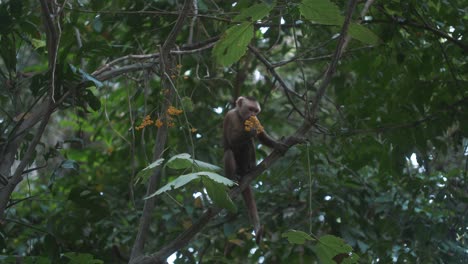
[111, 126]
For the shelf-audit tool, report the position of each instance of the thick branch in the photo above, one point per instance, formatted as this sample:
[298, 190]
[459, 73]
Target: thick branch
[6, 191]
[188, 49]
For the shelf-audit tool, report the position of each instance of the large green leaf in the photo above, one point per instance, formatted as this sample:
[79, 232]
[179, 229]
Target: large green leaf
[254, 13]
[330, 248]
[218, 193]
[233, 44]
[321, 12]
[184, 161]
[180, 162]
[297, 237]
[327, 13]
[217, 178]
[185, 179]
[363, 34]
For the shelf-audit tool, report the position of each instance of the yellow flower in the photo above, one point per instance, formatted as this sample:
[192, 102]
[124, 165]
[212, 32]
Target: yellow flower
[174, 111]
[253, 123]
[158, 123]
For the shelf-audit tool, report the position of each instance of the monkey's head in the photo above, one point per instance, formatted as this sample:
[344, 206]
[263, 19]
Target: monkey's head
[247, 107]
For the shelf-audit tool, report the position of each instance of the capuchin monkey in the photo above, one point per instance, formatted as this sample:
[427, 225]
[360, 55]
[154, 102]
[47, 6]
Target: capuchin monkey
[240, 127]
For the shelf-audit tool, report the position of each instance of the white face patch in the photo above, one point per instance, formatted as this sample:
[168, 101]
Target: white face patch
[247, 107]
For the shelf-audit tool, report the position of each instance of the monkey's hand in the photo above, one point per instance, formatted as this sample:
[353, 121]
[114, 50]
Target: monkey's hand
[252, 123]
[280, 147]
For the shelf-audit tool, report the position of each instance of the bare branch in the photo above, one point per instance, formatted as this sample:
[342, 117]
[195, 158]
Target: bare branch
[271, 69]
[342, 43]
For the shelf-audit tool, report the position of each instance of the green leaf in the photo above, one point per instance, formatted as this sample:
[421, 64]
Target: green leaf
[38, 43]
[145, 173]
[330, 248]
[254, 13]
[175, 184]
[327, 13]
[187, 104]
[218, 193]
[79, 258]
[203, 166]
[297, 237]
[180, 161]
[233, 44]
[321, 12]
[184, 161]
[185, 179]
[217, 178]
[363, 34]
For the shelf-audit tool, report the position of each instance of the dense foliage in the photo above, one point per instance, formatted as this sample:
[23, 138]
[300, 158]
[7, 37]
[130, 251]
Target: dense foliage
[89, 98]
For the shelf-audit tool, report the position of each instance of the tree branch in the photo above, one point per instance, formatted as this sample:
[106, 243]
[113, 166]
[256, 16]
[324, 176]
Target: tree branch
[166, 66]
[272, 70]
[342, 44]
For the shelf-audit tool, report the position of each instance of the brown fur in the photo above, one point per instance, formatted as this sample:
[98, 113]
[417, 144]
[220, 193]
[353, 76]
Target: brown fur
[239, 151]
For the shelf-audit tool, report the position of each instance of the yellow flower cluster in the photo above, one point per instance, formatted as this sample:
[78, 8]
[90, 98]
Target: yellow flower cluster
[146, 122]
[253, 123]
[171, 111]
[158, 123]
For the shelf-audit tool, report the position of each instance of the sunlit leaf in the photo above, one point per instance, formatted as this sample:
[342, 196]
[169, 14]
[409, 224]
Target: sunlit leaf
[297, 237]
[184, 161]
[187, 178]
[254, 13]
[233, 44]
[180, 161]
[38, 43]
[217, 178]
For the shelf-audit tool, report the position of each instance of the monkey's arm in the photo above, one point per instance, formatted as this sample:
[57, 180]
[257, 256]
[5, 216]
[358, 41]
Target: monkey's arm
[268, 141]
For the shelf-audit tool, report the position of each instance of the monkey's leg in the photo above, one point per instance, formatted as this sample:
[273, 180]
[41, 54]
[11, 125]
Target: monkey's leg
[249, 200]
[229, 165]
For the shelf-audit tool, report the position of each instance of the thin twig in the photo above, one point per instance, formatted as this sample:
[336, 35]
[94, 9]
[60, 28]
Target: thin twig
[286, 89]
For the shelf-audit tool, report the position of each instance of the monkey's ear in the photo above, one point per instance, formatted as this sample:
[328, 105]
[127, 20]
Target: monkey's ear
[239, 100]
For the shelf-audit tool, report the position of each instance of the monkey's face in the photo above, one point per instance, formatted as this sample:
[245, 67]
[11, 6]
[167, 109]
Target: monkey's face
[248, 108]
